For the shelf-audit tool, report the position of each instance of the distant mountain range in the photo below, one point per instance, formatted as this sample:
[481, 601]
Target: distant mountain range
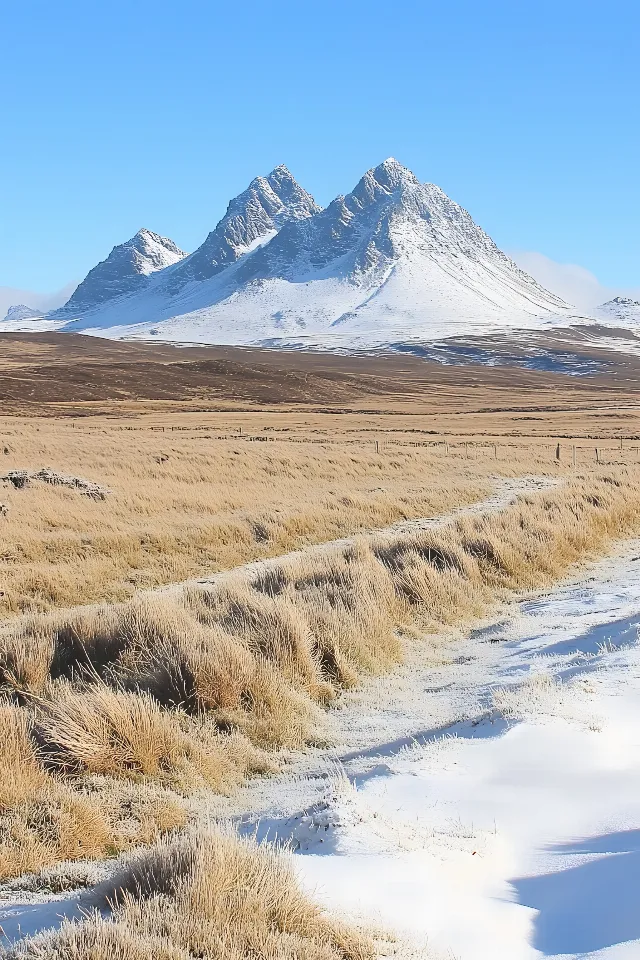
[394, 260]
[623, 310]
[21, 311]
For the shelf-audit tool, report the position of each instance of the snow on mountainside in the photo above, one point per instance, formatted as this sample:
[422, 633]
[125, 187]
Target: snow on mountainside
[125, 271]
[394, 259]
[23, 319]
[20, 311]
[620, 309]
[257, 214]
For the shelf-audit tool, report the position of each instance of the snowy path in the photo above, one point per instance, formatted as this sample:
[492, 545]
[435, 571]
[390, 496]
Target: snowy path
[514, 835]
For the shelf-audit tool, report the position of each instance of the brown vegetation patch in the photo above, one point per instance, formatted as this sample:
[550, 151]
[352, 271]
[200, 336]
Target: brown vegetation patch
[214, 504]
[347, 445]
[210, 896]
[45, 820]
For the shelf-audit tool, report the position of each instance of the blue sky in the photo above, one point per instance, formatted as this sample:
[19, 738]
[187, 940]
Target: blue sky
[123, 114]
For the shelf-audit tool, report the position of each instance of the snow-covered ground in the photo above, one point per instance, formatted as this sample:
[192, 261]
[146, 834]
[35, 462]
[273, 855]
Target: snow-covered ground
[483, 801]
[515, 834]
[35, 325]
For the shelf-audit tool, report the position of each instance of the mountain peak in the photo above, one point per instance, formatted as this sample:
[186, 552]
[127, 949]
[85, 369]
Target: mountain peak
[20, 311]
[393, 167]
[281, 171]
[252, 218]
[381, 183]
[157, 250]
[145, 234]
[620, 308]
[393, 226]
[297, 204]
[622, 302]
[392, 174]
[124, 271]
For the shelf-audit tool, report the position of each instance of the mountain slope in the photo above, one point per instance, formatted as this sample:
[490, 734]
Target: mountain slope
[399, 252]
[393, 259]
[256, 214]
[623, 310]
[126, 270]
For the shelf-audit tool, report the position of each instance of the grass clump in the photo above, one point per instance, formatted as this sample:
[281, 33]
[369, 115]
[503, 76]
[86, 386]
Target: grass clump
[207, 895]
[40, 820]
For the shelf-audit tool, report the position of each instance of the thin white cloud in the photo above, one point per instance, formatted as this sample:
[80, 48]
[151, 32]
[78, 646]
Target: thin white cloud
[573, 283]
[9, 296]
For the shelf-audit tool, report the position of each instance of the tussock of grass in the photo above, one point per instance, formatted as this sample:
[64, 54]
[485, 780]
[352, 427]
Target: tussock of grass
[209, 896]
[188, 689]
[45, 819]
[99, 730]
[40, 821]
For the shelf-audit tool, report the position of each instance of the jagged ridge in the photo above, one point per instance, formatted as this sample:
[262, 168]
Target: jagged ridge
[20, 311]
[256, 214]
[389, 215]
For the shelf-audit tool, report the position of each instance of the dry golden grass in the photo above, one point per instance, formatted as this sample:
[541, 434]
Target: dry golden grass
[44, 820]
[99, 730]
[210, 896]
[186, 503]
[186, 689]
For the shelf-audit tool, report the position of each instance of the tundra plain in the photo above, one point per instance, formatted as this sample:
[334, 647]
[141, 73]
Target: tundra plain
[146, 659]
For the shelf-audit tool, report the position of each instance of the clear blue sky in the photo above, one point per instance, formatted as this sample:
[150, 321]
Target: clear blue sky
[127, 113]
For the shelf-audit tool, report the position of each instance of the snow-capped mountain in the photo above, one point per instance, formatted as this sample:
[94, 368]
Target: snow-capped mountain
[20, 311]
[125, 271]
[252, 218]
[394, 253]
[394, 259]
[622, 309]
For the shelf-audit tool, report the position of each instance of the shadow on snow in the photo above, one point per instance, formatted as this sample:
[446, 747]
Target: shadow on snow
[590, 906]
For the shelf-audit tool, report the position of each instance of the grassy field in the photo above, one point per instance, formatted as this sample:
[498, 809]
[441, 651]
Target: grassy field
[190, 494]
[122, 705]
[189, 502]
